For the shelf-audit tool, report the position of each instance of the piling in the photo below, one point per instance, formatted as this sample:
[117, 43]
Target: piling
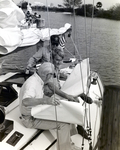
[109, 138]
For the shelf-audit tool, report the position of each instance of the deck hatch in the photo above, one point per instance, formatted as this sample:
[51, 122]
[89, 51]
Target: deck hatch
[14, 139]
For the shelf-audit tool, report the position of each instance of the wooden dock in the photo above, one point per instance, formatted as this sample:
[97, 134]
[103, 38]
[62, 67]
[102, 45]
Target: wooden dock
[110, 123]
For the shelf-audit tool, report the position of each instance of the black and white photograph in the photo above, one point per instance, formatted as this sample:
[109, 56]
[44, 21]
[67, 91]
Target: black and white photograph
[60, 74]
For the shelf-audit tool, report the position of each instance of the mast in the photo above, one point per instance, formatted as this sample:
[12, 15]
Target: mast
[74, 26]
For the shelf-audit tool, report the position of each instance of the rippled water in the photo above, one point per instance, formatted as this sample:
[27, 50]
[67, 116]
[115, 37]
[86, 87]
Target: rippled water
[102, 45]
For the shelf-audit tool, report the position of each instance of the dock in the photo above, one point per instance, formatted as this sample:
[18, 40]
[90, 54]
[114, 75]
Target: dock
[109, 138]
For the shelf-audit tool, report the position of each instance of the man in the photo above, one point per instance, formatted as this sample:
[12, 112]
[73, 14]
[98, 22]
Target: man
[31, 94]
[62, 37]
[44, 54]
[29, 8]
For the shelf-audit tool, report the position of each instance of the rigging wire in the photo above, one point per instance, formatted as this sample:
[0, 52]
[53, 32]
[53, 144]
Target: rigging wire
[54, 96]
[85, 27]
[88, 69]
[87, 54]
[69, 52]
[74, 41]
[91, 30]
[85, 115]
[74, 23]
[82, 147]
[77, 52]
[97, 81]
[76, 48]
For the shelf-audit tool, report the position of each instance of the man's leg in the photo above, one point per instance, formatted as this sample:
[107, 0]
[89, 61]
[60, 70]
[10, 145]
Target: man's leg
[63, 129]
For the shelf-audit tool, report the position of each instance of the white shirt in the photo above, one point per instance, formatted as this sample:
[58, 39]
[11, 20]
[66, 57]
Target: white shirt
[32, 88]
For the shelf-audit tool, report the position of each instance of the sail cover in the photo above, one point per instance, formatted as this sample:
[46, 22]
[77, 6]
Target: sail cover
[69, 112]
[12, 35]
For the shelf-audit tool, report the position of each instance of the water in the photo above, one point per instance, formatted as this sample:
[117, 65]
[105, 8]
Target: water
[102, 46]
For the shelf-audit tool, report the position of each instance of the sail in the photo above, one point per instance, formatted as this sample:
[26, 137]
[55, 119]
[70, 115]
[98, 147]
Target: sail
[68, 112]
[76, 83]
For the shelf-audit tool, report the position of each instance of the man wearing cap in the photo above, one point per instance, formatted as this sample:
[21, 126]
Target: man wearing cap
[62, 40]
[31, 94]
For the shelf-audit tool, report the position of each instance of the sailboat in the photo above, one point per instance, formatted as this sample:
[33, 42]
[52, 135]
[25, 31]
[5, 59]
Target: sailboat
[14, 136]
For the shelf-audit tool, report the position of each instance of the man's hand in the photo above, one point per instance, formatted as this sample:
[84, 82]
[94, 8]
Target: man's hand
[76, 99]
[72, 98]
[53, 101]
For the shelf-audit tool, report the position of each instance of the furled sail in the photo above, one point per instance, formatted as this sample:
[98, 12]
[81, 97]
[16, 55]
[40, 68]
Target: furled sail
[12, 35]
